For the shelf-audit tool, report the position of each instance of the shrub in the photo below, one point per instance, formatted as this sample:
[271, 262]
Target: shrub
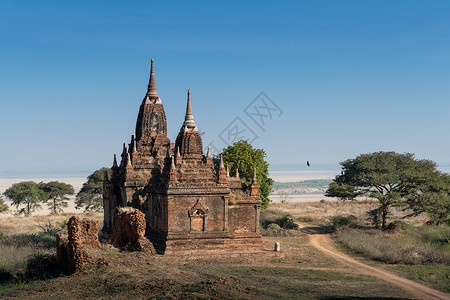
[398, 225]
[276, 233]
[344, 221]
[438, 235]
[286, 222]
[273, 226]
[42, 266]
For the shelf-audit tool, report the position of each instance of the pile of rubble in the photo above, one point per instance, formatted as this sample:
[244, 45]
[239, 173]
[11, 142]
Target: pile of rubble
[129, 231]
[74, 248]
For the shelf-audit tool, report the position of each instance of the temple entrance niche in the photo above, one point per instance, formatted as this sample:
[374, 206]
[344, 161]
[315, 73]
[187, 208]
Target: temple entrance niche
[197, 215]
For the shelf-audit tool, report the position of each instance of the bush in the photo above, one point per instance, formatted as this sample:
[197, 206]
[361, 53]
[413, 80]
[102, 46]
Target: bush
[273, 226]
[437, 235]
[276, 233]
[286, 222]
[42, 266]
[344, 221]
[398, 225]
[274, 216]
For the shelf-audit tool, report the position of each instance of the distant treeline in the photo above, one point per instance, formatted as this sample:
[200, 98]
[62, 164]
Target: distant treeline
[313, 183]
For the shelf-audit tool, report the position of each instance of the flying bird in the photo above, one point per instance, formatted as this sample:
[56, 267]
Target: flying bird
[307, 163]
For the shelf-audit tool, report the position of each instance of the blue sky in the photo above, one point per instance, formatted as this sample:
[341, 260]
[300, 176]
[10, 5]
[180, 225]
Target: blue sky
[349, 77]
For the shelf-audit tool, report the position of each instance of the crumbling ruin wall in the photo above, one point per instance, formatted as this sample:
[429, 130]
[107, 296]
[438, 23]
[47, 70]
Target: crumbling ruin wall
[129, 231]
[71, 248]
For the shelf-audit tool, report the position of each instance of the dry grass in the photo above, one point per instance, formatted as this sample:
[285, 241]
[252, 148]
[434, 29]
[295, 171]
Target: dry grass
[34, 224]
[27, 242]
[419, 253]
[324, 211]
[300, 273]
[405, 247]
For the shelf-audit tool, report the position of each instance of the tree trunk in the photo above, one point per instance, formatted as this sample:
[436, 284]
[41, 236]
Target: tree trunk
[384, 211]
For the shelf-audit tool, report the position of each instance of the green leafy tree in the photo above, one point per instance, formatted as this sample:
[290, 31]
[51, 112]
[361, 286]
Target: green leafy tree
[433, 197]
[25, 193]
[56, 195]
[91, 194]
[394, 179]
[242, 156]
[3, 205]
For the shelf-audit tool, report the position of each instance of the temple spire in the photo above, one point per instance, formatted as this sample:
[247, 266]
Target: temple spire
[115, 161]
[221, 163]
[128, 159]
[152, 94]
[151, 90]
[189, 118]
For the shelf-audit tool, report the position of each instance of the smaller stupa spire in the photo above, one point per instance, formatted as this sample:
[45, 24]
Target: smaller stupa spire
[228, 171]
[221, 173]
[221, 163]
[172, 164]
[189, 118]
[237, 173]
[208, 154]
[128, 159]
[254, 187]
[178, 152]
[115, 161]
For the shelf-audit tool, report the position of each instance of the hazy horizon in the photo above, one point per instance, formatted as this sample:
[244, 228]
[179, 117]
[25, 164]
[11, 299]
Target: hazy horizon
[276, 169]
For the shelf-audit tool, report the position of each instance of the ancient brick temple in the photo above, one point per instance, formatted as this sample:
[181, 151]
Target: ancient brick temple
[189, 205]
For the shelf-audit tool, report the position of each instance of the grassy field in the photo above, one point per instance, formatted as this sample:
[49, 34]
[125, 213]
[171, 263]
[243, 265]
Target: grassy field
[300, 272]
[413, 250]
[28, 268]
[418, 253]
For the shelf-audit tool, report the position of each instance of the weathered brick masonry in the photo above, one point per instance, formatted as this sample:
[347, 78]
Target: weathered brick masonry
[189, 206]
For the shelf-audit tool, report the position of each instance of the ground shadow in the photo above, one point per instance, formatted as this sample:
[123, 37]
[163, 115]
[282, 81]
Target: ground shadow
[316, 229]
[39, 267]
[364, 298]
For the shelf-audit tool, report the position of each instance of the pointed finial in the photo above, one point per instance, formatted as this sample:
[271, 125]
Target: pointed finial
[254, 175]
[208, 155]
[221, 162]
[172, 164]
[228, 172]
[134, 146]
[128, 159]
[189, 118]
[124, 151]
[178, 152]
[115, 161]
[237, 173]
[151, 91]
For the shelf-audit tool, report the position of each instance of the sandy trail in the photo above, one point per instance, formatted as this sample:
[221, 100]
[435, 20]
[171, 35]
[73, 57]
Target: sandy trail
[323, 243]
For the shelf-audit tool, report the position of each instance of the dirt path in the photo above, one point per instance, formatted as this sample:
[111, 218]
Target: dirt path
[323, 243]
